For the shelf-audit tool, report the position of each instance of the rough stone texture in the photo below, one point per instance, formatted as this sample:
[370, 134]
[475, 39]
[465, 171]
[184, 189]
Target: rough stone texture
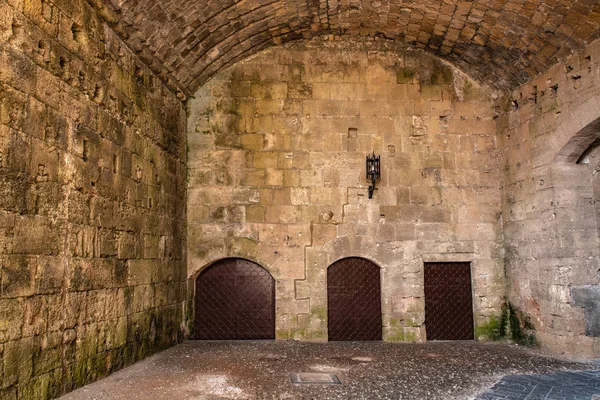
[550, 201]
[500, 42]
[588, 297]
[92, 201]
[576, 385]
[93, 166]
[277, 148]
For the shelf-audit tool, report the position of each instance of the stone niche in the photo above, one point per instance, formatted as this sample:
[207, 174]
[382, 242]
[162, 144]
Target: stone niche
[276, 157]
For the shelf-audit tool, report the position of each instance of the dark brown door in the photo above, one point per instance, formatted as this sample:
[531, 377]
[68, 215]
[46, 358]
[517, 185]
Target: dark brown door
[448, 301]
[235, 299]
[354, 300]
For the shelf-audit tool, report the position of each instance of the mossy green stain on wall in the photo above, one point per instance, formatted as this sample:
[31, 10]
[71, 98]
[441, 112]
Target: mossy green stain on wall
[441, 74]
[283, 334]
[301, 334]
[309, 334]
[512, 323]
[242, 246]
[405, 75]
[400, 335]
[41, 387]
[396, 331]
[522, 330]
[472, 93]
[319, 312]
[490, 330]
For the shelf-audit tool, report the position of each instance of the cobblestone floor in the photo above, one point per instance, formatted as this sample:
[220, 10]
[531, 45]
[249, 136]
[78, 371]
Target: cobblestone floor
[262, 370]
[557, 386]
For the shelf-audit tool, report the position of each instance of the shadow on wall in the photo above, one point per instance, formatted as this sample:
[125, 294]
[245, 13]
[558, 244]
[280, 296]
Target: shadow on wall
[588, 297]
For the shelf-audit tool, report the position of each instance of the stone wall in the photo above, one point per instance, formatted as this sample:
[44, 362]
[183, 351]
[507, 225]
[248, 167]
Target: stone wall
[92, 209]
[549, 207]
[277, 147]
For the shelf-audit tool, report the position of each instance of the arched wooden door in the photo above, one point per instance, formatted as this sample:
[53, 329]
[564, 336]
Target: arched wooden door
[235, 299]
[354, 300]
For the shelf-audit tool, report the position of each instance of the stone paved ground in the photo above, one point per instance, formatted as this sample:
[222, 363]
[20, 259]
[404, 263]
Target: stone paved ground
[560, 385]
[261, 370]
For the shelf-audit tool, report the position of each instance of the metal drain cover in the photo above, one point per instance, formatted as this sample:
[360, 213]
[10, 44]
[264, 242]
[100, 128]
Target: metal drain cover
[315, 378]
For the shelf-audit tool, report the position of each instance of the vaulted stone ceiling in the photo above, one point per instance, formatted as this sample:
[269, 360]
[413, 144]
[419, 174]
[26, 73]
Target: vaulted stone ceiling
[501, 43]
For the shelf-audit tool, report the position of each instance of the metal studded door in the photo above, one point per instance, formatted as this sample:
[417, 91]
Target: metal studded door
[235, 299]
[448, 301]
[354, 300]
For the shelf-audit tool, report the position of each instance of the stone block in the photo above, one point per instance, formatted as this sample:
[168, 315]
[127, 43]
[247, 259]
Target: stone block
[320, 91]
[299, 90]
[255, 213]
[142, 272]
[268, 90]
[322, 195]
[265, 160]
[436, 214]
[323, 233]
[11, 320]
[300, 196]
[252, 141]
[17, 70]
[426, 196]
[18, 277]
[269, 235]
[386, 233]
[254, 178]
[281, 196]
[405, 213]
[13, 111]
[128, 245]
[49, 275]
[405, 232]
[268, 107]
[18, 361]
[342, 91]
[311, 178]
[302, 289]
[284, 214]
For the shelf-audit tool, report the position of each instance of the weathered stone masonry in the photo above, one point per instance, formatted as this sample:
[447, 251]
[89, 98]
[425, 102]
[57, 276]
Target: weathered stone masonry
[276, 174]
[500, 42]
[550, 201]
[92, 201]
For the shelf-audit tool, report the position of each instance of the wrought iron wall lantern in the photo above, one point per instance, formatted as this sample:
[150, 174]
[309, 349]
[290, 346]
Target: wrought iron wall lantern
[373, 171]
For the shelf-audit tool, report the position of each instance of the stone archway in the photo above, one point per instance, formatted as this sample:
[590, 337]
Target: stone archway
[234, 300]
[581, 143]
[354, 300]
[584, 149]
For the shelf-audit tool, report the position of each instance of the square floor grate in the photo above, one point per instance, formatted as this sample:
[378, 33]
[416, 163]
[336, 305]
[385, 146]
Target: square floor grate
[316, 378]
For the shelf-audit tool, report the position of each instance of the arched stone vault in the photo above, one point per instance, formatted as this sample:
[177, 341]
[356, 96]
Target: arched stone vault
[100, 162]
[501, 43]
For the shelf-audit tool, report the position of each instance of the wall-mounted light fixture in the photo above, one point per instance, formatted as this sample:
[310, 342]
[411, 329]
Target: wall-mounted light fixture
[373, 171]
